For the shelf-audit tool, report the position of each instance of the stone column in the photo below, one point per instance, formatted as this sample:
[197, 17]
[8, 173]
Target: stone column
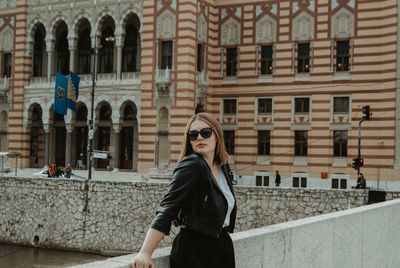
[49, 65]
[117, 129]
[119, 61]
[68, 145]
[46, 145]
[72, 59]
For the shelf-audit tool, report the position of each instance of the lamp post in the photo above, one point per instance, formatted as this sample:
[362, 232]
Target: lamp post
[93, 51]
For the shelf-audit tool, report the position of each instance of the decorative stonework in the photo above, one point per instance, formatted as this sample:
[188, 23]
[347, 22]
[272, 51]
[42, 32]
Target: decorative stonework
[8, 4]
[303, 27]
[342, 24]
[202, 29]
[166, 25]
[303, 4]
[266, 30]
[6, 39]
[231, 32]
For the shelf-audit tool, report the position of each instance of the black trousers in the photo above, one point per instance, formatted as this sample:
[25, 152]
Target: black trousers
[196, 250]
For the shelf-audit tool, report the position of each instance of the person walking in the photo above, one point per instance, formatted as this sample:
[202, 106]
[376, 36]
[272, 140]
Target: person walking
[200, 199]
[277, 179]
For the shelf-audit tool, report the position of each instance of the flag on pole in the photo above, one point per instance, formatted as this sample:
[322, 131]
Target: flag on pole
[73, 90]
[60, 95]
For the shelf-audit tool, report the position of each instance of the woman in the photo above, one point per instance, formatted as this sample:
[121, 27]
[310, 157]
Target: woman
[200, 200]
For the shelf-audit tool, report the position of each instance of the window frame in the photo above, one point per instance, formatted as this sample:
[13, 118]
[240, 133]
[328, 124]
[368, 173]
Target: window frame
[341, 111]
[262, 180]
[232, 103]
[300, 145]
[232, 64]
[342, 57]
[304, 104]
[7, 68]
[267, 107]
[264, 145]
[168, 57]
[269, 61]
[229, 138]
[342, 144]
[303, 61]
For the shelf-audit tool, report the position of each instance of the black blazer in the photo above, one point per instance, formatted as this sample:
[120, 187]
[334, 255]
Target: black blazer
[195, 200]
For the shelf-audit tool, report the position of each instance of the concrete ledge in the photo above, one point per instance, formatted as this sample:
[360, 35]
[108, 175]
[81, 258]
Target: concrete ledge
[366, 236]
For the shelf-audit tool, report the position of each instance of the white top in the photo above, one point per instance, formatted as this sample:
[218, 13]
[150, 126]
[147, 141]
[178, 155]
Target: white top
[228, 196]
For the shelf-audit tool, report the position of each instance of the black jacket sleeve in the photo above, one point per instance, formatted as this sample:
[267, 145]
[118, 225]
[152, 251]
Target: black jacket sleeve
[186, 178]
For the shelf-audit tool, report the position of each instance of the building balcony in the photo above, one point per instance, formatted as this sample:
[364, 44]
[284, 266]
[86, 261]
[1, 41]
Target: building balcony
[5, 87]
[202, 78]
[163, 82]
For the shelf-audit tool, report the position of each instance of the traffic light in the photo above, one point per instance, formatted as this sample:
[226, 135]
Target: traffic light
[365, 110]
[356, 163]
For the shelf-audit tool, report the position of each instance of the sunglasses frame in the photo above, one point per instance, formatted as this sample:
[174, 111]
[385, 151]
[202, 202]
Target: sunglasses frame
[203, 132]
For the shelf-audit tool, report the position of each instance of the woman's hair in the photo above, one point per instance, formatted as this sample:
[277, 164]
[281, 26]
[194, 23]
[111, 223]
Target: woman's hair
[220, 154]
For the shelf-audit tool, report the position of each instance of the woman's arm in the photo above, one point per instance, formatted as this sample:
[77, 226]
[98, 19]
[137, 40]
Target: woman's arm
[143, 258]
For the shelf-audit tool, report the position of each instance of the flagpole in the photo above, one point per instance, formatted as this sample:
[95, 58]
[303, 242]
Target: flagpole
[91, 121]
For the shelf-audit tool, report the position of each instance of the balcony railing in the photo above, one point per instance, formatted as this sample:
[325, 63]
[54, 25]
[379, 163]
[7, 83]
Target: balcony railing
[39, 80]
[131, 76]
[202, 78]
[163, 76]
[106, 76]
[5, 86]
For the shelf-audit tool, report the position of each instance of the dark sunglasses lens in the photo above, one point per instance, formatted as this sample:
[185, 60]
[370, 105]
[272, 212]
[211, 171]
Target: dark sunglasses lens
[192, 135]
[206, 132]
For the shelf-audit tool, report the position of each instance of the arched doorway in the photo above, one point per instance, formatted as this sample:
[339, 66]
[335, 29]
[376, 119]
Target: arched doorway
[127, 136]
[37, 137]
[80, 137]
[60, 137]
[103, 133]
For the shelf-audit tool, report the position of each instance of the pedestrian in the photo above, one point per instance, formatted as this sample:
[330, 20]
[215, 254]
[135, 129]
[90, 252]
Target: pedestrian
[277, 179]
[361, 183]
[51, 172]
[200, 200]
[68, 171]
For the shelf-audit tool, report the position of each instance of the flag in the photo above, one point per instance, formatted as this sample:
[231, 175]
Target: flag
[60, 95]
[73, 90]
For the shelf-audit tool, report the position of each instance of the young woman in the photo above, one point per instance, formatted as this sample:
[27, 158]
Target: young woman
[200, 200]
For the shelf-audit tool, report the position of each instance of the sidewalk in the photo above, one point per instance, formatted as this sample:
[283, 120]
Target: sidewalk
[97, 175]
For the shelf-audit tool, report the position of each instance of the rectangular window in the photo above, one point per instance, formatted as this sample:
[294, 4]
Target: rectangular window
[340, 143]
[303, 58]
[266, 60]
[302, 105]
[335, 183]
[264, 142]
[229, 107]
[343, 184]
[34, 141]
[295, 182]
[342, 55]
[341, 104]
[231, 61]
[7, 66]
[166, 55]
[229, 137]
[262, 180]
[200, 57]
[300, 143]
[264, 106]
[303, 182]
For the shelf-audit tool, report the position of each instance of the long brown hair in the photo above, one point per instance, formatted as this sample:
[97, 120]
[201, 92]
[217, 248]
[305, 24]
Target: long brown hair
[220, 154]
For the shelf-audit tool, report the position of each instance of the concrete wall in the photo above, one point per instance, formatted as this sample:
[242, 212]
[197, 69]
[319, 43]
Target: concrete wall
[367, 236]
[113, 217]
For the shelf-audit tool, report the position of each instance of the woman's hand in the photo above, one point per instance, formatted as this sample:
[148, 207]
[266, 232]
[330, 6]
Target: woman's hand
[142, 260]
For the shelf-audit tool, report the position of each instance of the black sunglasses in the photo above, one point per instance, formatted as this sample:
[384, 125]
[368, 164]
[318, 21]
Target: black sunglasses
[204, 132]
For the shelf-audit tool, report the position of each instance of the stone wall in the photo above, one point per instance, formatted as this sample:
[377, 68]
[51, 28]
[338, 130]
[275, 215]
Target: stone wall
[114, 216]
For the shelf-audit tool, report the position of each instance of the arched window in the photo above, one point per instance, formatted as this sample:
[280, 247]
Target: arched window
[106, 51]
[105, 113]
[81, 113]
[62, 51]
[129, 113]
[130, 49]
[84, 52]
[38, 51]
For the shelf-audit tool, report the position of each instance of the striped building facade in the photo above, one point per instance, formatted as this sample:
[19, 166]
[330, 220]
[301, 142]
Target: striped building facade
[287, 79]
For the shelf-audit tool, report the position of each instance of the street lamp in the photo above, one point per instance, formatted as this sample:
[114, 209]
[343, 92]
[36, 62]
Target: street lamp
[93, 52]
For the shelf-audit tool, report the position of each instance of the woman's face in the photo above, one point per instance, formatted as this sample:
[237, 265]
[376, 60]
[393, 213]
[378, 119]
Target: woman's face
[203, 146]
